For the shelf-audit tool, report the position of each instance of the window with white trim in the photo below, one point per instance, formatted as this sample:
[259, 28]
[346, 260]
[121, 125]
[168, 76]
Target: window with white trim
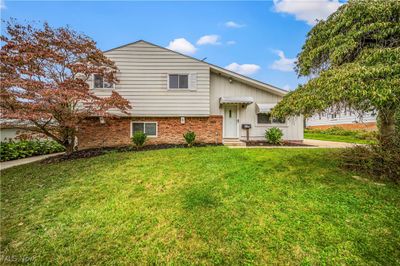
[148, 128]
[100, 83]
[178, 81]
[266, 118]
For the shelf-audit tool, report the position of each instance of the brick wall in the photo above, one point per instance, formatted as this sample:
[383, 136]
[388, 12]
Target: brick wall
[369, 126]
[116, 131]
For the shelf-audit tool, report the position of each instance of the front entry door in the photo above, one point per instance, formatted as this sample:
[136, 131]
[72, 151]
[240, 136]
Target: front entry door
[230, 122]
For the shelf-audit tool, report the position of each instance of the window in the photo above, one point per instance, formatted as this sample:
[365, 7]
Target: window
[178, 81]
[149, 128]
[263, 118]
[99, 83]
[266, 118]
[333, 116]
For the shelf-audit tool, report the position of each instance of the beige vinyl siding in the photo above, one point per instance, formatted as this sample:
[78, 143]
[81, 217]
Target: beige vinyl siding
[220, 86]
[143, 80]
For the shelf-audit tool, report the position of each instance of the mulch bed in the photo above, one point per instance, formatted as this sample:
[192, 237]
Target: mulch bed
[100, 151]
[284, 143]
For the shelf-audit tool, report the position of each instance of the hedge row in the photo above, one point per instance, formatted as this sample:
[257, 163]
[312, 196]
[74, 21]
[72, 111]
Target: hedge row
[12, 150]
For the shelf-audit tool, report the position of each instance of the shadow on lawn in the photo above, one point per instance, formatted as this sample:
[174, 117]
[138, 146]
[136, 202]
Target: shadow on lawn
[88, 153]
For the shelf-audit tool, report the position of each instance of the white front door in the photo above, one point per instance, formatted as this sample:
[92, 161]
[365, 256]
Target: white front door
[230, 121]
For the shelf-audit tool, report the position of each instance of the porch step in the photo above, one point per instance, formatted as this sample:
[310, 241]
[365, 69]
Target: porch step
[233, 142]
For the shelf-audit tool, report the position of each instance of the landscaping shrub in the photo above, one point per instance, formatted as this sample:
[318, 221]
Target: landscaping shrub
[189, 137]
[139, 138]
[380, 161]
[274, 135]
[12, 150]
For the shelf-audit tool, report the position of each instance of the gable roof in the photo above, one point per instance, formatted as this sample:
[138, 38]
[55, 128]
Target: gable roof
[217, 69]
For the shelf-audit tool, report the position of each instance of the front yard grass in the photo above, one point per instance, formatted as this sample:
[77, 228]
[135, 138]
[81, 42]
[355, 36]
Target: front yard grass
[338, 138]
[210, 205]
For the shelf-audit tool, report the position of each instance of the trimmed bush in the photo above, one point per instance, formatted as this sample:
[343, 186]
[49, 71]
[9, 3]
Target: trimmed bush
[12, 150]
[139, 138]
[274, 135]
[189, 137]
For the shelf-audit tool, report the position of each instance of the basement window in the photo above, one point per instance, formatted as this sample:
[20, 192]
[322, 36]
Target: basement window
[148, 128]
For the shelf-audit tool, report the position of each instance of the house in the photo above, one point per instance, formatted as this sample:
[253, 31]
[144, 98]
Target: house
[171, 93]
[11, 130]
[346, 119]
[8, 133]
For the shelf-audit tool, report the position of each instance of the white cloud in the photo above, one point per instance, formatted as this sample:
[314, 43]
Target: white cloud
[233, 24]
[231, 42]
[287, 87]
[209, 39]
[308, 11]
[2, 4]
[183, 46]
[283, 63]
[245, 69]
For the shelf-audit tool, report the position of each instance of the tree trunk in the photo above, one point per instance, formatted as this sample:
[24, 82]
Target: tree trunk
[70, 142]
[386, 126]
[69, 149]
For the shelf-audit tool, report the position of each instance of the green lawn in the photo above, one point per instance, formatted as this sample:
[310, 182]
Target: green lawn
[209, 205]
[349, 139]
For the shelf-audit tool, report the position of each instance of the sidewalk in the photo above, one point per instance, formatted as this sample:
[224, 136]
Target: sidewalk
[8, 164]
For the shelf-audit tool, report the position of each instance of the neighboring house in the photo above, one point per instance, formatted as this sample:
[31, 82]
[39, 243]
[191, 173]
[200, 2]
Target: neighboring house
[8, 133]
[10, 130]
[346, 119]
[171, 93]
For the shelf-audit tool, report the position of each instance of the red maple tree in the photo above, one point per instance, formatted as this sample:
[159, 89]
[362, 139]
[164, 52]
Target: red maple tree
[44, 80]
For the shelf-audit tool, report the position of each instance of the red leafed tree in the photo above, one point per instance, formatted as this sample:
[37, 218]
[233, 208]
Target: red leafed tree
[44, 80]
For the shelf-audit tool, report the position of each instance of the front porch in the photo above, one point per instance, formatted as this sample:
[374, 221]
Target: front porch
[231, 118]
[234, 142]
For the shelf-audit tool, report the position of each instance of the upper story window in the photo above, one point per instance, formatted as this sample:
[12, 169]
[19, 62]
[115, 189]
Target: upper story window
[266, 118]
[100, 83]
[178, 81]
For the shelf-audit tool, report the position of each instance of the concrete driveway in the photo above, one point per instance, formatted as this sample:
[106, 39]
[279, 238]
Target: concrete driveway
[9, 164]
[328, 144]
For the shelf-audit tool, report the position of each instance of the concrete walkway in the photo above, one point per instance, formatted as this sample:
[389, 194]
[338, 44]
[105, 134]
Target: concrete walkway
[313, 142]
[8, 164]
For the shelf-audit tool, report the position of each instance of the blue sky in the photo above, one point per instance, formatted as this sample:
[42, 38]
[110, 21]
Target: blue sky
[258, 39]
